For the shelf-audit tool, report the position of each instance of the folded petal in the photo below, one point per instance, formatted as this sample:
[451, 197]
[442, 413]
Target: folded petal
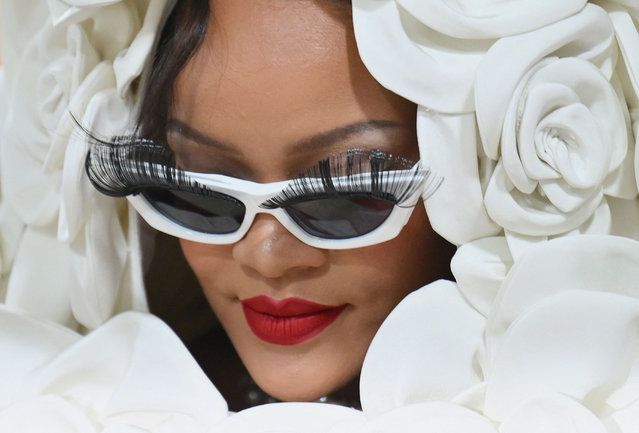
[581, 344]
[292, 418]
[425, 350]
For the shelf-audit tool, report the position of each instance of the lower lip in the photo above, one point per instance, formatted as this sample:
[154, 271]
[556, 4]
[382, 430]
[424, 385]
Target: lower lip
[289, 321]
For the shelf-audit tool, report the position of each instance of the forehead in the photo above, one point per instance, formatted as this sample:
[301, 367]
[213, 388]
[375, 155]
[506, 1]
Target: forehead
[279, 71]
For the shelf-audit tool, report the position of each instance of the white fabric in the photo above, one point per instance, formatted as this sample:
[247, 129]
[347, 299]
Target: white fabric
[132, 374]
[528, 109]
[554, 354]
[64, 58]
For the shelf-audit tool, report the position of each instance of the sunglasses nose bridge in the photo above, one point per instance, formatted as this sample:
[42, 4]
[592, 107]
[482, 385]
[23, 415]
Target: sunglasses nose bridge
[256, 195]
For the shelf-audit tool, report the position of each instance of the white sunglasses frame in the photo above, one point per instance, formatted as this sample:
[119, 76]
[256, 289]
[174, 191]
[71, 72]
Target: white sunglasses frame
[253, 194]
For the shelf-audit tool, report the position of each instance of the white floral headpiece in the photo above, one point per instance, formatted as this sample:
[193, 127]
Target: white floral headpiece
[69, 254]
[530, 111]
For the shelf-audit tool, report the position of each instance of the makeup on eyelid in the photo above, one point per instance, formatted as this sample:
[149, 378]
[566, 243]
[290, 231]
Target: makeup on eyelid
[199, 152]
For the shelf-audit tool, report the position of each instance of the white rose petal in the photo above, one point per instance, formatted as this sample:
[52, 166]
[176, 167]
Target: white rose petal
[552, 414]
[44, 293]
[436, 417]
[582, 344]
[52, 414]
[292, 418]
[625, 420]
[586, 262]
[26, 344]
[487, 19]
[415, 61]
[447, 146]
[425, 350]
[146, 380]
[480, 268]
[627, 35]
[64, 12]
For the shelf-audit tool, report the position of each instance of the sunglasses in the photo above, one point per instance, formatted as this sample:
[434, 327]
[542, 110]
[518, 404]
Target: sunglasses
[357, 204]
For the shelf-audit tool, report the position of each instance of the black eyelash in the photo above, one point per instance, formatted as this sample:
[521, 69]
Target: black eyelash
[128, 165]
[391, 178]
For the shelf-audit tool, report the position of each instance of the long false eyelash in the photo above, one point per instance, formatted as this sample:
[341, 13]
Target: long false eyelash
[127, 165]
[368, 173]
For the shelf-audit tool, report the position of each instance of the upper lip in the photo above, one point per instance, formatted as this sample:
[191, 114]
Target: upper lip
[289, 307]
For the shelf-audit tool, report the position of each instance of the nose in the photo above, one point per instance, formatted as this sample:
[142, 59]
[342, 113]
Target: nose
[272, 251]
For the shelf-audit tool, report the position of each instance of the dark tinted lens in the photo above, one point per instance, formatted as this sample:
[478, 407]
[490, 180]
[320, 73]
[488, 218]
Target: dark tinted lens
[211, 213]
[340, 217]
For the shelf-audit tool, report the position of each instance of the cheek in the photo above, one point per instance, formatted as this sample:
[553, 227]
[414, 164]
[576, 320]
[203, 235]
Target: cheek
[416, 257]
[208, 262]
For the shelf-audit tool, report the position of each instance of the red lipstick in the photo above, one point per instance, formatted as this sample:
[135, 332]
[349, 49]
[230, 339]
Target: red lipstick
[289, 321]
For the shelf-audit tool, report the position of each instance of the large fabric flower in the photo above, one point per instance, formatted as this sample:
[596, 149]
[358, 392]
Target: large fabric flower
[557, 122]
[428, 51]
[559, 351]
[131, 375]
[625, 18]
[63, 59]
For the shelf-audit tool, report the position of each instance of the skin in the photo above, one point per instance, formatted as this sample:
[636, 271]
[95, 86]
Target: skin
[259, 101]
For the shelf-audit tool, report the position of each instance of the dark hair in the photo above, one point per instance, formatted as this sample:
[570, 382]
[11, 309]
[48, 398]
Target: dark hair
[181, 36]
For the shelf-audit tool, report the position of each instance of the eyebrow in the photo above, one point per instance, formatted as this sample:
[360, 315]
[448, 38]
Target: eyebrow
[175, 125]
[321, 140]
[329, 138]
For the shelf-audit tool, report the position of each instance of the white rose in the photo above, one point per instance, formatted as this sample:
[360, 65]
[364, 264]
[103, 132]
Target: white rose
[487, 19]
[428, 51]
[132, 374]
[72, 62]
[432, 417]
[558, 123]
[581, 344]
[564, 322]
[448, 146]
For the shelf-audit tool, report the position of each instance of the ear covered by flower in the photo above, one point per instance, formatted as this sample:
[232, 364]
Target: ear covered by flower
[55, 380]
[63, 58]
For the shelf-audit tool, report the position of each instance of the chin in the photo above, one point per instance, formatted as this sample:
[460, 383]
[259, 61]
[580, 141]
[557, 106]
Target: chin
[294, 390]
[303, 384]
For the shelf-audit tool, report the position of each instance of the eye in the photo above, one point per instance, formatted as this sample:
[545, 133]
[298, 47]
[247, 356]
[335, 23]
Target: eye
[212, 212]
[340, 217]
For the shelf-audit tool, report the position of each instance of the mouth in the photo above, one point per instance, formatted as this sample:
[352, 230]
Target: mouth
[289, 321]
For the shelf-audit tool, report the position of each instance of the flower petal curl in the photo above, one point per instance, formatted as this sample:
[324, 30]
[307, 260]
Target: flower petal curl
[407, 364]
[435, 417]
[292, 417]
[582, 344]
[588, 35]
[413, 60]
[447, 146]
[488, 19]
[147, 380]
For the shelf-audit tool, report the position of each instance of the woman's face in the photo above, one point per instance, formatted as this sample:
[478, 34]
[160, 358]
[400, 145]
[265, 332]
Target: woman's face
[272, 91]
